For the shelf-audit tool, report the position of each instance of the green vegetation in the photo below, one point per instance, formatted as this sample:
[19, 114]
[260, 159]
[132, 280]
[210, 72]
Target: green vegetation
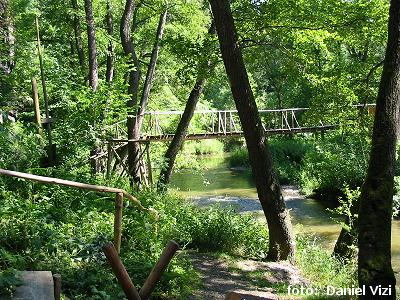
[323, 166]
[63, 230]
[288, 155]
[323, 55]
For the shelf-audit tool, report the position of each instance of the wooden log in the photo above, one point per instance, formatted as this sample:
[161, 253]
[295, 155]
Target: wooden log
[51, 180]
[150, 171]
[57, 286]
[120, 272]
[35, 285]
[158, 270]
[118, 221]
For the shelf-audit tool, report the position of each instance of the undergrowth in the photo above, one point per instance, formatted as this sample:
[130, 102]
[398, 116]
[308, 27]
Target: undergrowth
[63, 230]
[287, 155]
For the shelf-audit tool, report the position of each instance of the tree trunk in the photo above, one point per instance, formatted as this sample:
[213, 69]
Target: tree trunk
[376, 200]
[176, 143]
[7, 35]
[150, 75]
[78, 33]
[344, 247]
[133, 86]
[110, 49]
[204, 69]
[281, 241]
[91, 32]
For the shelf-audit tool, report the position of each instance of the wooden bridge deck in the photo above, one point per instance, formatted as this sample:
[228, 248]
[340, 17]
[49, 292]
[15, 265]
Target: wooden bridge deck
[219, 135]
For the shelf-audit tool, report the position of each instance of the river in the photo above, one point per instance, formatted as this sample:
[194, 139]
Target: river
[217, 183]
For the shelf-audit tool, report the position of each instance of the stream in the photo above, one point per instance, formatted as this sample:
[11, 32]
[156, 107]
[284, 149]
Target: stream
[217, 183]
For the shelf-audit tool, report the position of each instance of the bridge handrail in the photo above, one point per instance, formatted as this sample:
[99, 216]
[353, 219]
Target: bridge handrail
[179, 112]
[205, 111]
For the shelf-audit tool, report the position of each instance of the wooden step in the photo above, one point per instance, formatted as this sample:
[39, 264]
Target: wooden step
[36, 285]
[247, 295]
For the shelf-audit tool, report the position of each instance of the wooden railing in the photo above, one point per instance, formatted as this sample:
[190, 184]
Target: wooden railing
[119, 196]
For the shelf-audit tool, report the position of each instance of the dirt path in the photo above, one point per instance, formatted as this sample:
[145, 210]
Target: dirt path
[253, 278]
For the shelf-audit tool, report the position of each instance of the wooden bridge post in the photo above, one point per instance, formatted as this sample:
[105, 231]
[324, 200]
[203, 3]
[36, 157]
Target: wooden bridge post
[57, 286]
[36, 103]
[109, 158]
[118, 221]
[212, 122]
[149, 170]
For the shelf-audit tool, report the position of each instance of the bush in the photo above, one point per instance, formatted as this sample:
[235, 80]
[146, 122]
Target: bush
[286, 153]
[202, 147]
[239, 157]
[321, 268]
[21, 148]
[332, 165]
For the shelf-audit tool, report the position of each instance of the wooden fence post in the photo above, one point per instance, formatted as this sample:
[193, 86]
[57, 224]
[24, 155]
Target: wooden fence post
[149, 170]
[158, 270]
[120, 272]
[118, 221]
[109, 159]
[57, 286]
[35, 95]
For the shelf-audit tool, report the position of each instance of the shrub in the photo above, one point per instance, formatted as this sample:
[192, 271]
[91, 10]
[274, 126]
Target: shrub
[203, 147]
[333, 164]
[21, 148]
[320, 267]
[286, 153]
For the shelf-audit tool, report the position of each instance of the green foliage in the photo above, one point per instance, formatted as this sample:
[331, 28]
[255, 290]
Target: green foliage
[63, 229]
[8, 281]
[21, 148]
[187, 157]
[202, 147]
[287, 155]
[346, 208]
[239, 157]
[334, 163]
[321, 268]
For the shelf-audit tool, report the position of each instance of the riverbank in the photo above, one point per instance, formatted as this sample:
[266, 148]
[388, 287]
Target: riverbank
[220, 185]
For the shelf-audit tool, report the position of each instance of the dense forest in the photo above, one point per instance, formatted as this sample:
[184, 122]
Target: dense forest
[137, 106]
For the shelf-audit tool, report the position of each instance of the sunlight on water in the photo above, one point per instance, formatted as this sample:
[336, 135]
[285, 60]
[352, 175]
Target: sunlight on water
[217, 182]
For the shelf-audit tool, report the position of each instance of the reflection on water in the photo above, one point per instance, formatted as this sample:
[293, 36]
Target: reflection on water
[218, 184]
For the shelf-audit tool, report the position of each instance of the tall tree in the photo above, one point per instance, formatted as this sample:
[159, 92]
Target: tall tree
[78, 33]
[91, 33]
[7, 35]
[376, 200]
[281, 240]
[133, 84]
[150, 74]
[135, 118]
[204, 67]
[110, 49]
